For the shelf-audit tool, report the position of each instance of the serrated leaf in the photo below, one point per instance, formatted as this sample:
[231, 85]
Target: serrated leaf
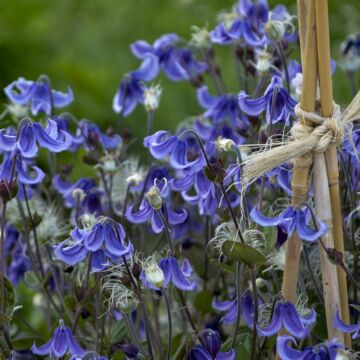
[241, 252]
[10, 300]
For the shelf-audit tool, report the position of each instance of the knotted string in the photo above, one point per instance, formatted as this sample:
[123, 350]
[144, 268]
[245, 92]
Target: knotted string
[311, 133]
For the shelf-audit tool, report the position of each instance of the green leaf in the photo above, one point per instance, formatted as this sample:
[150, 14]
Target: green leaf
[202, 302]
[118, 332]
[10, 300]
[237, 251]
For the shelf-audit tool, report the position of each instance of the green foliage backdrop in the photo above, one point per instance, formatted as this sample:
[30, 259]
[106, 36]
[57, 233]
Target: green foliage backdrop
[85, 44]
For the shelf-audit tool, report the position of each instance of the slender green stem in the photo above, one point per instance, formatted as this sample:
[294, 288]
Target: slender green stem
[168, 308]
[256, 312]
[238, 299]
[280, 50]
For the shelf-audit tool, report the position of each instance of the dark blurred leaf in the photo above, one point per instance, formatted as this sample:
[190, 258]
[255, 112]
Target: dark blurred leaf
[118, 332]
[202, 302]
[10, 300]
[242, 252]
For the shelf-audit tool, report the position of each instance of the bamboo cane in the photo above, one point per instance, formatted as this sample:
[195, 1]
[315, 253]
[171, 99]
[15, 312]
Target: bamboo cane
[323, 43]
[300, 172]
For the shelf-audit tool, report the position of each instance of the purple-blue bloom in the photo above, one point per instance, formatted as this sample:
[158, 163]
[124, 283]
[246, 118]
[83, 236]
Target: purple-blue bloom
[177, 63]
[290, 220]
[151, 205]
[211, 348]
[39, 94]
[278, 109]
[179, 276]
[318, 352]
[62, 342]
[131, 89]
[105, 241]
[30, 135]
[231, 309]
[285, 315]
[347, 328]
[222, 107]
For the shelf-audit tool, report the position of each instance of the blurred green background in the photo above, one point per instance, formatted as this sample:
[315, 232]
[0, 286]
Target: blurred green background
[85, 44]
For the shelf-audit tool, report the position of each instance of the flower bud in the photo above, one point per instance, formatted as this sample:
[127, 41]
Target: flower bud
[8, 190]
[152, 96]
[153, 272]
[154, 198]
[275, 30]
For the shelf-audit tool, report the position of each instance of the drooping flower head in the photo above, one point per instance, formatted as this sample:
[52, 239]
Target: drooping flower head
[61, 343]
[210, 348]
[39, 94]
[276, 101]
[325, 351]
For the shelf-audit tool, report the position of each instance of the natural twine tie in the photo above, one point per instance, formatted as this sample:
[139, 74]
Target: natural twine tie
[310, 133]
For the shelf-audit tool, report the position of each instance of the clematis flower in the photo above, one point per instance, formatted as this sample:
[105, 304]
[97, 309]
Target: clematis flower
[354, 329]
[39, 94]
[102, 240]
[278, 109]
[219, 108]
[89, 355]
[62, 342]
[131, 89]
[211, 348]
[245, 22]
[290, 220]
[183, 153]
[177, 63]
[231, 308]
[285, 315]
[131, 351]
[171, 271]
[325, 351]
[30, 135]
[151, 205]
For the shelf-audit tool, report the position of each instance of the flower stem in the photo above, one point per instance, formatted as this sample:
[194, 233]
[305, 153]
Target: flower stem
[238, 299]
[280, 50]
[168, 308]
[256, 313]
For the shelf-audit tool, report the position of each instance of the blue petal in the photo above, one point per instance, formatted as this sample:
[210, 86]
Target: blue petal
[7, 142]
[156, 223]
[305, 232]
[36, 176]
[141, 48]
[274, 325]
[177, 217]
[43, 349]
[98, 261]
[285, 351]
[142, 215]
[250, 106]
[178, 278]
[59, 345]
[228, 355]
[165, 267]
[70, 254]
[204, 98]
[199, 352]
[292, 321]
[339, 324]
[95, 238]
[113, 244]
[148, 70]
[73, 346]
[27, 141]
[262, 220]
[110, 142]
[160, 144]
[41, 98]
[24, 94]
[61, 99]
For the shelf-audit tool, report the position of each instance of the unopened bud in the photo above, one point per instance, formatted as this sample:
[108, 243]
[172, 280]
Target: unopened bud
[8, 190]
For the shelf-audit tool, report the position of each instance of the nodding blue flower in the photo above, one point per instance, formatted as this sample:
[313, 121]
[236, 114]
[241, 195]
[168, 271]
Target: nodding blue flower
[211, 348]
[83, 191]
[15, 249]
[172, 271]
[347, 328]
[183, 153]
[290, 220]
[285, 315]
[30, 135]
[62, 342]
[105, 241]
[245, 22]
[222, 107]
[131, 89]
[231, 308]
[89, 355]
[324, 351]
[25, 172]
[89, 135]
[39, 94]
[131, 351]
[151, 205]
[278, 109]
[177, 63]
